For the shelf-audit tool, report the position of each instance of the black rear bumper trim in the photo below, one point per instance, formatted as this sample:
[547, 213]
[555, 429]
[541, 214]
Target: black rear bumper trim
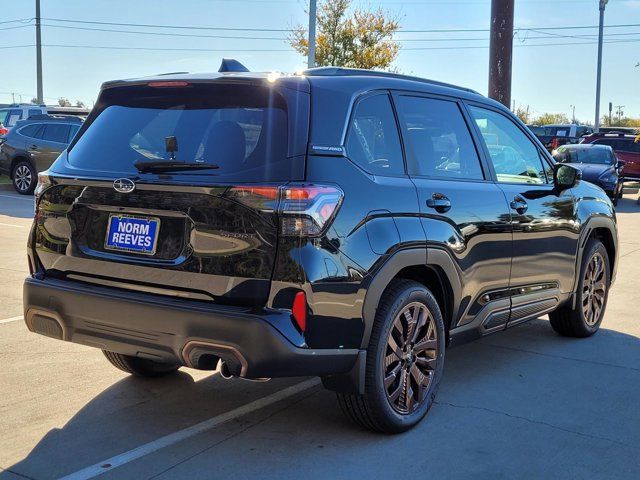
[167, 329]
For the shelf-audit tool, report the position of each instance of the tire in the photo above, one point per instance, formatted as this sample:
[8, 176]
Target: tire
[377, 409]
[140, 367]
[591, 295]
[25, 178]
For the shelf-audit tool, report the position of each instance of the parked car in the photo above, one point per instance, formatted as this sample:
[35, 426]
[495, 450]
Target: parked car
[626, 147]
[598, 164]
[553, 136]
[340, 223]
[33, 145]
[12, 114]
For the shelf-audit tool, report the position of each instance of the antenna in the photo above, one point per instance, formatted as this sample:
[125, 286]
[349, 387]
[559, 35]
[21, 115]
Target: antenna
[231, 65]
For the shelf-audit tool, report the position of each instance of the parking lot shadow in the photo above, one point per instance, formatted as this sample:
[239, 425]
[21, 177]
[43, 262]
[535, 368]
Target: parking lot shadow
[523, 382]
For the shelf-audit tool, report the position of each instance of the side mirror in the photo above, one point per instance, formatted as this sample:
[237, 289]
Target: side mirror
[620, 164]
[565, 176]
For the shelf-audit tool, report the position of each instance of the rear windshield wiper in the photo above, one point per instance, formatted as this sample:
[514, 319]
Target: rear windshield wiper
[172, 166]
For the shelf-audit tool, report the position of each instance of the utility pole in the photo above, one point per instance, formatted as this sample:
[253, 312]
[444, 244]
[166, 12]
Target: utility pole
[573, 116]
[620, 112]
[603, 5]
[501, 51]
[610, 113]
[312, 34]
[40, 95]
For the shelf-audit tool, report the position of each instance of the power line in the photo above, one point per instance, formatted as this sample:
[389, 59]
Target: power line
[17, 20]
[465, 47]
[180, 27]
[192, 35]
[191, 27]
[164, 34]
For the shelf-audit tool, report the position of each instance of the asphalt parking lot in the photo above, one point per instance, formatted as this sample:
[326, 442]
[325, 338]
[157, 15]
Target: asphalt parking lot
[524, 403]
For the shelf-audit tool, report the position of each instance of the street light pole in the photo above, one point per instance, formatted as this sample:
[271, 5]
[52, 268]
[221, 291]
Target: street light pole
[312, 34]
[603, 4]
[38, 55]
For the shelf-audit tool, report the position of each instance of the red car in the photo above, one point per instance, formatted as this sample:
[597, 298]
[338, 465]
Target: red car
[627, 148]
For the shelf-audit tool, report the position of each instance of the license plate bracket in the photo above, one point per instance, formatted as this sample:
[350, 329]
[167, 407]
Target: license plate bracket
[132, 234]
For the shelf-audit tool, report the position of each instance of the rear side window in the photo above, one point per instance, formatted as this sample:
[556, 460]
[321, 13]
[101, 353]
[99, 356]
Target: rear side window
[55, 133]
[373, 141]
[438, 138]
[242, 129]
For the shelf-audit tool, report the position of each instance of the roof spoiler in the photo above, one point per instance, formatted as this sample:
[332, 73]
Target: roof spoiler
[231, 65]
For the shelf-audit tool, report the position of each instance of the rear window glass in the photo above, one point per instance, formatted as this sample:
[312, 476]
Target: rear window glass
[242, 129]
[599, 156]
[3, 116]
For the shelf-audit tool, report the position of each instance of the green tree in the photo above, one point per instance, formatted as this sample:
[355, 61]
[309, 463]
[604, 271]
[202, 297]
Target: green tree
[523, 114]
[64, 102]
[34, 100]
[345, 38]
[548, 118]
[80, 103]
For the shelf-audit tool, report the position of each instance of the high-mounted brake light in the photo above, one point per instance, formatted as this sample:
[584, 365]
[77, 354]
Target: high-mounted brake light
[299, 310]
[168, 84]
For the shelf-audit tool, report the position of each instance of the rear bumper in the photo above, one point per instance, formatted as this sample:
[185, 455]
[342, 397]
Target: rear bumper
[174, 330]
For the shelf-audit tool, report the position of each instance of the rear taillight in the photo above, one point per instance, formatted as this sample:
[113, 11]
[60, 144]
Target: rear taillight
[554, 143]
[308, 209]
[4, 131]
[305, 210]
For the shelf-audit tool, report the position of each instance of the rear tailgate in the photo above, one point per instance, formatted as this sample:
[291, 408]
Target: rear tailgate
[206, 234]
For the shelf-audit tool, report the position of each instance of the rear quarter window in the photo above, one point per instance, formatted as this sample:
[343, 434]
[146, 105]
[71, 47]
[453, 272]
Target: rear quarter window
[373, 141]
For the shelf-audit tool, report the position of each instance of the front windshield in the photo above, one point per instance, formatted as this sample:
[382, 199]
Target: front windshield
[598, 156]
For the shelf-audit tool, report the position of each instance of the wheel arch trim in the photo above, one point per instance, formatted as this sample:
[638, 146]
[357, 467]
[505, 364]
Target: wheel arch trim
[414, 257]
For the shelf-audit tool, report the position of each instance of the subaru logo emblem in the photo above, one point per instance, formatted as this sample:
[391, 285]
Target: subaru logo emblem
[124, 185]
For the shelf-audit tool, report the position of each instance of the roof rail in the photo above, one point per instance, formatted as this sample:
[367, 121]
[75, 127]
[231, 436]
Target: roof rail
[49, 116]
[342, 71]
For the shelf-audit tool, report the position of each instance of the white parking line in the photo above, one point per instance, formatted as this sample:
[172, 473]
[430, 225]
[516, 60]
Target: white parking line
[12, 319]
[11, 225]
[176, 437]
[28, 199]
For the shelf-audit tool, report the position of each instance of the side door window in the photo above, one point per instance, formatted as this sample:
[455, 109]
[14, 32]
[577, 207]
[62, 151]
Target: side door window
[373, 141]
[515, 158]
[56, 133]
[439, 143]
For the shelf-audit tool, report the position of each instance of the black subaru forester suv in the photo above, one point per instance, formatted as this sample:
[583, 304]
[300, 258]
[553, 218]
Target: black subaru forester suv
[339, 223]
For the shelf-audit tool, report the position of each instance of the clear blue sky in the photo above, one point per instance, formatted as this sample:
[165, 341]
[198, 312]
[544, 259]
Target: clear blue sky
[548, 78]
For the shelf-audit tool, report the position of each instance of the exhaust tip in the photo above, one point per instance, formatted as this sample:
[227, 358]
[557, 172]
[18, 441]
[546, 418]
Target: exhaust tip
[224, 370]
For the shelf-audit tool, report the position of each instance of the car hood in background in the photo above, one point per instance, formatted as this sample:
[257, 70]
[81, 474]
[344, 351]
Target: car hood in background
[591, 171]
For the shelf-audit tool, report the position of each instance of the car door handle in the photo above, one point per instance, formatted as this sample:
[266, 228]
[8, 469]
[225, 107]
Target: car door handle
[439, 202]
[33, 147]
[519, 205]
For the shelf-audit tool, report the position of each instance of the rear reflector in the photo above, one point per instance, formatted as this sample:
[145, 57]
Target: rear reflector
[299, 310]
[172, 84]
